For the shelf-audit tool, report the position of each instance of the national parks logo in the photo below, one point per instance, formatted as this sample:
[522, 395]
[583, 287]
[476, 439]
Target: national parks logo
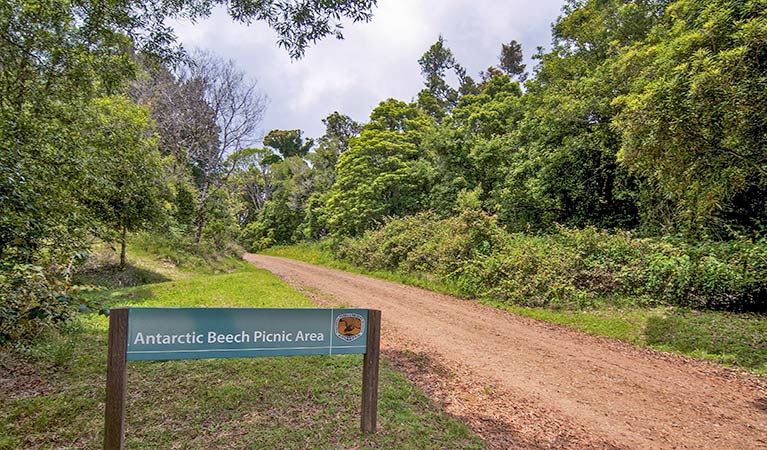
[349, 326]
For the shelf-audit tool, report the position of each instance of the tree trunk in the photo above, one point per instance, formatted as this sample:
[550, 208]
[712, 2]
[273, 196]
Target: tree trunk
[200, 223]
[123, 245]
[200, 219]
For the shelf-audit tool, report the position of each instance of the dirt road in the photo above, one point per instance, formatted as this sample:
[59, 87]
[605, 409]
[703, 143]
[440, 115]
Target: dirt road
[520, 383]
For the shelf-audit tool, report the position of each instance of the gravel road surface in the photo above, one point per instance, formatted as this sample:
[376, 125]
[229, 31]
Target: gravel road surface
[520, 383]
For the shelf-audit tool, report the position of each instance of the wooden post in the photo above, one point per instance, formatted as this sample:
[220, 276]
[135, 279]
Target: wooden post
[370, 373]
[117, 379]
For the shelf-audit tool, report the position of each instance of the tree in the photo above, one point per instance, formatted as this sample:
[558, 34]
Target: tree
[339, 130]
[564, 167]
[207, 111]
[255, 176]
[439, 97]
[237, 108]
[298, 23]
[470, 149]
[57, 55]
[284, 212]
[490, 73]
[288, 143]
[382, 174]
[511, 60]
[695, 120]
[126, 189]
[53, 62]
[186, 122]
[281, 215]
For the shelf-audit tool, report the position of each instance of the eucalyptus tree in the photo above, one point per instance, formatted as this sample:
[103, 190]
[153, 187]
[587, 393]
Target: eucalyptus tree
[236, 107]
[277, 190]
[254, 176]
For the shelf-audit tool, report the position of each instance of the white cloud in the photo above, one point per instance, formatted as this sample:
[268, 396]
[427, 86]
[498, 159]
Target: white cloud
[377, 60]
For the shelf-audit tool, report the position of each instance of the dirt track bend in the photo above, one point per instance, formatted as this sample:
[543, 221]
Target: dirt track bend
[524, 384]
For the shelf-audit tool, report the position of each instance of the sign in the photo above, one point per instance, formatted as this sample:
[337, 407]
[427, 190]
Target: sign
[195, 333]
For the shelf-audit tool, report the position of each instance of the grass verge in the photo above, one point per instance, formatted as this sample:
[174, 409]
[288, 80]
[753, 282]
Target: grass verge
[53, 390]
[732, 339]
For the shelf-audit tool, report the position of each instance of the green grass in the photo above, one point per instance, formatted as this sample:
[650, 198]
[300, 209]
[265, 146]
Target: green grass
[246, 287]
[56, 391]
[181, 253]
[738, 340]
[148, 265]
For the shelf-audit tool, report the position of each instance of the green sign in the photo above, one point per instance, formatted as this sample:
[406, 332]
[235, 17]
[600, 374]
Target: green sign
[196, 333]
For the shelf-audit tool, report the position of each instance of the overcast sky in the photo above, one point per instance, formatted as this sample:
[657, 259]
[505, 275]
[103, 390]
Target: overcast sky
[376, 60]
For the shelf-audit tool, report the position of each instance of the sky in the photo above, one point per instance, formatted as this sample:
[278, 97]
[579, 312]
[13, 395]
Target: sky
[376, 60]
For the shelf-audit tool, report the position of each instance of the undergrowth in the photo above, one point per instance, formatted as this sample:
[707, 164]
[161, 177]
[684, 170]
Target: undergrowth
[571, 268]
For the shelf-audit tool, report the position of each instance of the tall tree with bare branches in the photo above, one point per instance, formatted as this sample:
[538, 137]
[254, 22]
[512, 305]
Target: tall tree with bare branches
[236, 107]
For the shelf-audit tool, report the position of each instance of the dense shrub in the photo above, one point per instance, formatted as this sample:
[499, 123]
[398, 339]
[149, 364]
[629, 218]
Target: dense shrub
[31, 301]
[390, 246]
[572, 268]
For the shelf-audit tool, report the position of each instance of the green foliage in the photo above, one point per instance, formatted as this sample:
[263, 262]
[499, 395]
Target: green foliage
[382, 173]
[184, 206]
[339, 129]
[694, 120]
[439, 96]
[572, 268]
[422, 243]
[288, 143]
[31, 302]
[282, 214]
[565, 168]
[54, 59]
[277, 224]
[253, 180]
[221, 229]
[126, 186]
[471, 148]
